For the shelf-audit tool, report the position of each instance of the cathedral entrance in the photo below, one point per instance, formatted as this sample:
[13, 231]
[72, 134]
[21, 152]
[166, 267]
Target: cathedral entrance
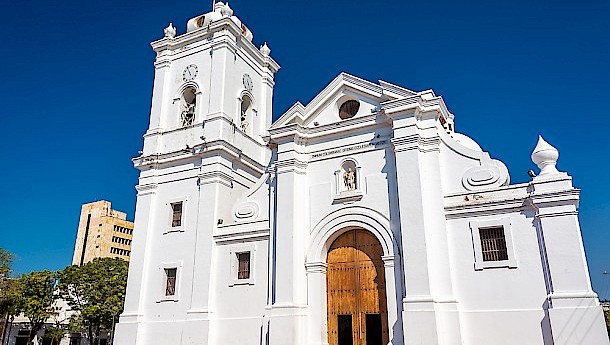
[355, 291]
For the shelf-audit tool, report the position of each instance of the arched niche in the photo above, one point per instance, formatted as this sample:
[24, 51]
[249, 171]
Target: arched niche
[348, 181]
[246, 112]
[186, 105]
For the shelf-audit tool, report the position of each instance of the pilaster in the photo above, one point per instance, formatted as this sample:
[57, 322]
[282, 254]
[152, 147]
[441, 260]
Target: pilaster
[288, 310]
[429, 308]
[316, 297]
[137, 288]
[570, 295]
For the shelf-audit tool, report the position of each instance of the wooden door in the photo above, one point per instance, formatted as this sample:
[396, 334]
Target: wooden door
[355, 291]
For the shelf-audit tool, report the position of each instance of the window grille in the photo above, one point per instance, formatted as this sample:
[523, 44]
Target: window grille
[243, 268]
[176, 214]
[493, 244]
[170, 285]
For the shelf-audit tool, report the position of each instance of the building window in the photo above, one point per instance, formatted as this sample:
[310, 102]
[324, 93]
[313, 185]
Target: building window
[349, 109]
[243, 265]
[176, 214]
[493, 244]
[170, 281]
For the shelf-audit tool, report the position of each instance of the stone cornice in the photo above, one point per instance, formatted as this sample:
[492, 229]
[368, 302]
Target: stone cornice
[417, 142]
[215, 177]
[146, 189]
[238, 233]
[316, 267]
[198, 151]
[292, 131]
[291, 165]
[510, 199]
[423, 102]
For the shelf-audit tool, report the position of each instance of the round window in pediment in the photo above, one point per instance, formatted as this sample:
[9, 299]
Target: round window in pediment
[349, 109]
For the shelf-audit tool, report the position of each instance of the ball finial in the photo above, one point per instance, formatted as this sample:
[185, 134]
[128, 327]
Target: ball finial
[545, 157]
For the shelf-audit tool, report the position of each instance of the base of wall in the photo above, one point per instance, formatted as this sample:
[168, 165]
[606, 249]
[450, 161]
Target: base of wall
[580, 325]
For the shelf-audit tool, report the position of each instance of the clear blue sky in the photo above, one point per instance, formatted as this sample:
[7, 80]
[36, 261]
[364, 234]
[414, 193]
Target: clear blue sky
[76, 81]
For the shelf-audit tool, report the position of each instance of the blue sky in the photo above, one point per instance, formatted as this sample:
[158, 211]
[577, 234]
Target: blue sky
[77, 76]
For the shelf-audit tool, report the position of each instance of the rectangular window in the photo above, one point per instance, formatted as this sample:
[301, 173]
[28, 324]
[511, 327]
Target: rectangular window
[170, 284]
[493, 244]
[176, 214]
[243, 266]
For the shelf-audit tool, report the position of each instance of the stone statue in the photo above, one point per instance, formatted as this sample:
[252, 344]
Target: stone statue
[244, 123]
[349, 179]
[188, 114]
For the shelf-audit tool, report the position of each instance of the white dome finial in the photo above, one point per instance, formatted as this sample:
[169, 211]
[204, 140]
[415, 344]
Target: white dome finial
[170, 31]
[545, 157]
[265, 50]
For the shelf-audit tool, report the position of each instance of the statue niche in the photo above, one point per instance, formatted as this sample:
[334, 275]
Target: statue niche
[246, 109]
[187, 107]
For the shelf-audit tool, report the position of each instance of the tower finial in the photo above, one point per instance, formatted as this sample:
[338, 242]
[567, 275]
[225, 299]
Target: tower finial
[545, 157]
[170, 31]
[265, 50]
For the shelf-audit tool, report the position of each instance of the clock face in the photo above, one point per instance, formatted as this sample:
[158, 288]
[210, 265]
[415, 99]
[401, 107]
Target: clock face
[190, 72]
[247, 82]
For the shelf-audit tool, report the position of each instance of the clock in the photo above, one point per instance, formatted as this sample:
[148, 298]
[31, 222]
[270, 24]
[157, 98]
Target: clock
[247, 82]
[190, 72]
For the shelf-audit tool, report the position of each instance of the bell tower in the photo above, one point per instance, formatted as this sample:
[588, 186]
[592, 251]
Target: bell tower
[204, 148]
[211, 82]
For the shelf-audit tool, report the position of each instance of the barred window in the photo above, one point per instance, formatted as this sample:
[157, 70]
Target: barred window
[170, 284]
[176, 214]
[493, 244]
[243, 267]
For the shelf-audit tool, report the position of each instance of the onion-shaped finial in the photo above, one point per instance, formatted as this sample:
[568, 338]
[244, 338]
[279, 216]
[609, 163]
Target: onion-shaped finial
[265, 50]
[545, 157]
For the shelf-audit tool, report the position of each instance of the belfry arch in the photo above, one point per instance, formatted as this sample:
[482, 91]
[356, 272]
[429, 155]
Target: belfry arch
[324, 234]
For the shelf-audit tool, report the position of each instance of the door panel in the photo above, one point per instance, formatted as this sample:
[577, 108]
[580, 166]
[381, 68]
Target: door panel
[355, 285]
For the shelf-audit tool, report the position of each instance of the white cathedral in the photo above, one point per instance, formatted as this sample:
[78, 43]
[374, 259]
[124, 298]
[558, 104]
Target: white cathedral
[360, 218]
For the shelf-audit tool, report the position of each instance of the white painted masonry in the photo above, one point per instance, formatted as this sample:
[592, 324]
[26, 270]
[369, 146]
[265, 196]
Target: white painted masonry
[280, 192]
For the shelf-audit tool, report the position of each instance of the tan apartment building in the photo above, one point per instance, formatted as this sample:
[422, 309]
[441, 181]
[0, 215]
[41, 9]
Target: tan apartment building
[102, 232]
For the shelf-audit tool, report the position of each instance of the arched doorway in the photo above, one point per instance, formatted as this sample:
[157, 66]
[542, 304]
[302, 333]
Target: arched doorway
[355, 291]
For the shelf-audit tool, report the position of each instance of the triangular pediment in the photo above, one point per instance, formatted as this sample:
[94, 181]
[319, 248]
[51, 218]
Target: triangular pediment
[323, 109]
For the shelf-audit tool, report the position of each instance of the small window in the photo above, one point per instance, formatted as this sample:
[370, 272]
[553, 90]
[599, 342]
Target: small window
[493, 244]
[170, 284]
[349, 109]
[176, 214]
[243, 268]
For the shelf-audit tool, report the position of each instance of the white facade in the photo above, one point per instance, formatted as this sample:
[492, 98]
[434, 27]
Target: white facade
[218, 180]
